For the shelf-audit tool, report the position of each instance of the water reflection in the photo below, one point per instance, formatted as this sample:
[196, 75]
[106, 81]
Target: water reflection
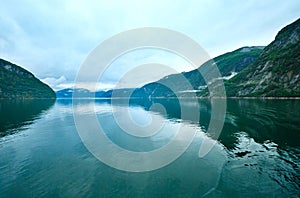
[277, 121]
[18, 114]
[257, 153]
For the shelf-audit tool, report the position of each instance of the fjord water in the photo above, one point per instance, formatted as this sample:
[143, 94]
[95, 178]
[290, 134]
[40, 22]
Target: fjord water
[257, 153]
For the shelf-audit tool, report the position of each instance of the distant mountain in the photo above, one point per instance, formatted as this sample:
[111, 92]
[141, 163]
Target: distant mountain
[68, 93]
[277, 70]
[18, 83]
[85, 93]
[116, 93]
[81, 93]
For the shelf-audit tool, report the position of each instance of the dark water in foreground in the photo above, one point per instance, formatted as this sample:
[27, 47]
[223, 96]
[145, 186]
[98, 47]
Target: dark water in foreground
[257, 153]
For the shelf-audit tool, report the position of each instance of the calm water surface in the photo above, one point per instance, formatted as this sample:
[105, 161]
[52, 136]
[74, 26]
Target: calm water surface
[257, 153]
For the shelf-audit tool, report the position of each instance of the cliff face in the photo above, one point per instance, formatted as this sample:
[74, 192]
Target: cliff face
[18, 83]
[277, 70]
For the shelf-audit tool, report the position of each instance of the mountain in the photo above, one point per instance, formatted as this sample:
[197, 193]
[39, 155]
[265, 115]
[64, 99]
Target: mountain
[18, 83]
[68, 93]
[229, 65]
[81, 93]
[277, 70]
[249, 71]
[85, 93]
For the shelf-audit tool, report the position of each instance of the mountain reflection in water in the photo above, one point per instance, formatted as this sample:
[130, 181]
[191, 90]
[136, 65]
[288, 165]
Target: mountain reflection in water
[257, 153]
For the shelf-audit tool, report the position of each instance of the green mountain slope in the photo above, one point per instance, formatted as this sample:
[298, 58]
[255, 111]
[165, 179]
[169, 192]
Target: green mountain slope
[228, 64]
[276, 72]
[18, 83]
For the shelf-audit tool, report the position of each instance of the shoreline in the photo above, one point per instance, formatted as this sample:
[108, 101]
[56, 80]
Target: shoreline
[108, 98]
[262, 98]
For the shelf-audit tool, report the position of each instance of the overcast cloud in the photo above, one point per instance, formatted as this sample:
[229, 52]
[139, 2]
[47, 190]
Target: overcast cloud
[52, 38]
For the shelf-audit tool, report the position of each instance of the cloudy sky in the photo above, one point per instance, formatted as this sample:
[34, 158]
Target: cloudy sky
[52, 38]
